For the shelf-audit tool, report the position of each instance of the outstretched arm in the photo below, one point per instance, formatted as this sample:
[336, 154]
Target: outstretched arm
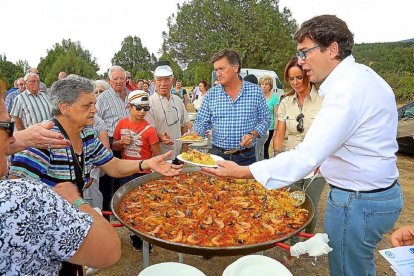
[38, 136]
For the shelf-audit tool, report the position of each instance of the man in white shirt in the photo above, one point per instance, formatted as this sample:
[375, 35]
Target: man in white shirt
[352, 139]
[167, 114]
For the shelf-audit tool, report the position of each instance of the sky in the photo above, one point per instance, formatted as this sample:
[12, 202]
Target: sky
[29, 28]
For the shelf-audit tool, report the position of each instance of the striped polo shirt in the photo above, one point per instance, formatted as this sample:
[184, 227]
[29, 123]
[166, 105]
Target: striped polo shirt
[56, 165]
[30, 108]
[112, 108]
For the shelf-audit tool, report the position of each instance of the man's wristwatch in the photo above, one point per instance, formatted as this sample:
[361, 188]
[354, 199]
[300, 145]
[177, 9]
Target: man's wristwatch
[253, 135]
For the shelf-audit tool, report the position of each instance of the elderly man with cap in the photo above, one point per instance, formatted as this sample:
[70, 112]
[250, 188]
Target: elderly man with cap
[167, 114]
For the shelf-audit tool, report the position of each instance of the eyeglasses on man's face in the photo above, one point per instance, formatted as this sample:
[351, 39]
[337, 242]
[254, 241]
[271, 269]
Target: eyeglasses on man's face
[141, 107]
[33, 81]
[299, 119]
[8, 126]
[302, 53]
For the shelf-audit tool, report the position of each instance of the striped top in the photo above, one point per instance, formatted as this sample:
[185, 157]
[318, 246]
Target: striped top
[56, 165]
[31, 109]
[111, 108]
[229, 120]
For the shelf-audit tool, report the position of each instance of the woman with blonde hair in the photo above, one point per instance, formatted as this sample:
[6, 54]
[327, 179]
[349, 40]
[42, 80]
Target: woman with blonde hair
[272, 101]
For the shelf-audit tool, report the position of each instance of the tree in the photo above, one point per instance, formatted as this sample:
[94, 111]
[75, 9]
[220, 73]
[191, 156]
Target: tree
[70, 62]
[24, 65]
[133, 56]
[198, 71]
[67, 47]
[255, 28]
[9, 71]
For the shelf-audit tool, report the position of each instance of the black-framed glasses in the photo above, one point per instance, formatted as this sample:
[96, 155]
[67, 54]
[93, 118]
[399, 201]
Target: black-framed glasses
[8, 126]
[166, 116]
[299, 119]
[302, 53]
[140, 107]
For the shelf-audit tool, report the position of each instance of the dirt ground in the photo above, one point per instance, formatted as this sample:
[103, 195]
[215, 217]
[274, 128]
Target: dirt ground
[131, 260]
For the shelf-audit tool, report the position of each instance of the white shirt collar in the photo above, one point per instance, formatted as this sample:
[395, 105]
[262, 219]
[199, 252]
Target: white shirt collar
[332, 78]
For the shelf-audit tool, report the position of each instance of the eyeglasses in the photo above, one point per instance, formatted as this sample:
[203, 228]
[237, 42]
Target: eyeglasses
[299, 119]
[8, 126]
[165, 113]
[34, 81]
[140, 107]
[302, 53]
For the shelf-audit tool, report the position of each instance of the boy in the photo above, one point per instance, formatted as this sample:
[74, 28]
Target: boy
[133, 135]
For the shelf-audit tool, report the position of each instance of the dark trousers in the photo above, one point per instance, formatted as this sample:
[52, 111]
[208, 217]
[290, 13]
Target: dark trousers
[267, 144]
[107, 184]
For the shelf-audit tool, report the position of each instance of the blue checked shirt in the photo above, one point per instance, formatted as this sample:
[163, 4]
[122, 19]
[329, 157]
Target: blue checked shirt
[229, 120]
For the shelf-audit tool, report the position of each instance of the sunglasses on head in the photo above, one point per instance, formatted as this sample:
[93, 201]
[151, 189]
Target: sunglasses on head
[8, 126]
[299, 119]
[140, 107]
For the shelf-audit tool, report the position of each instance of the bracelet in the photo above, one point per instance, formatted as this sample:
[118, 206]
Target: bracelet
[140, 165]
[79, 202]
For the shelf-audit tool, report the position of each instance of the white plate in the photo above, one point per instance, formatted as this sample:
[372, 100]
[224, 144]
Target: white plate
[190, 141]
[171, 269]
[215, 158]
[256, 265]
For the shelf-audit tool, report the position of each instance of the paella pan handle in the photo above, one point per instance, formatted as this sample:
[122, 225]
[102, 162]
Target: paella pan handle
[300, 234]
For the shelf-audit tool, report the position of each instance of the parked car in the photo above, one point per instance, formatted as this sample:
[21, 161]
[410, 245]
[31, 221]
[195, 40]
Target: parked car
[405, 132]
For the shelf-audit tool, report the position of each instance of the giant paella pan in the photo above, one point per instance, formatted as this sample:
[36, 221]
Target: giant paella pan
[201, 215]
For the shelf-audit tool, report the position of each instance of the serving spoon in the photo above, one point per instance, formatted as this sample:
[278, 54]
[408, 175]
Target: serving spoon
[300, 196]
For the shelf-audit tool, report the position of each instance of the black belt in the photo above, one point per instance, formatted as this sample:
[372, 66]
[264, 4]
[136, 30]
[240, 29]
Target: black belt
[365, 192]
[233, 153]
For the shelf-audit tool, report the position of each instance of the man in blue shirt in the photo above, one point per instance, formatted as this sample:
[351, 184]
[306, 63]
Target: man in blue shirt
[21, 86]
[235, 111]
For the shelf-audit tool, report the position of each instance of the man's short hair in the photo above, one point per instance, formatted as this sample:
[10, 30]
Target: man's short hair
[324, 30]
[232, 56]
[115, 68]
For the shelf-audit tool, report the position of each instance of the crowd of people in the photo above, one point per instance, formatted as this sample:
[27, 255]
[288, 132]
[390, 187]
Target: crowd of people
[84, 139]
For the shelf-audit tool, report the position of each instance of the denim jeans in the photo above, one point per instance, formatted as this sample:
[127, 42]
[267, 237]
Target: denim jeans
[243, 159]
[259, 148]
[355, 223]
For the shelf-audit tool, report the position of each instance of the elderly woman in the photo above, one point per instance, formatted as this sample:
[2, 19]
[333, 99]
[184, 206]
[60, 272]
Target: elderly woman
[272, 101]
[73, 105]
[24, 201]
[100, 86]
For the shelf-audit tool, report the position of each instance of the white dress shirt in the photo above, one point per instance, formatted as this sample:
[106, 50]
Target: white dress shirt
[353, 137]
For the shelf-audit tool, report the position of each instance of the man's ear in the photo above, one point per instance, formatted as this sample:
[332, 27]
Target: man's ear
[333, 50]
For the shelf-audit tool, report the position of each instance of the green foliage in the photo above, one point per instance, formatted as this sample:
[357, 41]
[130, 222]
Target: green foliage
[70, 62]
[9, 72]
[198, 71]
[255, 28]
[69, 49]
[143, 75]
[394, 62]
[134, 57]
